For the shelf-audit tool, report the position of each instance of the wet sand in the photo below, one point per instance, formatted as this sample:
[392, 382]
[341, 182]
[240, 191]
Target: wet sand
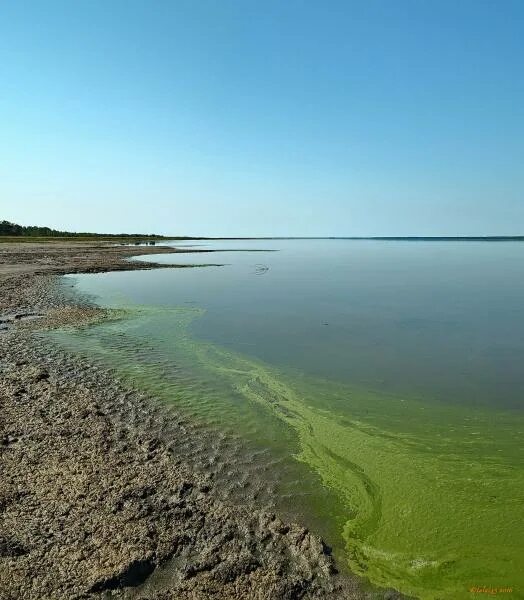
[96, 497]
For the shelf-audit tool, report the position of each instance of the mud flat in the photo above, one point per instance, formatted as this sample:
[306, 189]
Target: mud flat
[96, 498]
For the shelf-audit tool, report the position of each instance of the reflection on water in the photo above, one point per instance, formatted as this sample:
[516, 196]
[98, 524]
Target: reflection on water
[378, 383]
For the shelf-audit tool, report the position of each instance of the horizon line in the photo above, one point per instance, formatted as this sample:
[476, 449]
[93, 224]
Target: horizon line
[481, 238]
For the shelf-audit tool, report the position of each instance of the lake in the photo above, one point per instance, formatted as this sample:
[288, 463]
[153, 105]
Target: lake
[373, 390]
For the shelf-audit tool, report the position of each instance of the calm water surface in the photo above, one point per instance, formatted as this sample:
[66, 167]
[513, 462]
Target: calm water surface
[384, 381]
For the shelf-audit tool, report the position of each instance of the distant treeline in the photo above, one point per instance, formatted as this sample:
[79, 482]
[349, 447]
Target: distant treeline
[12, 229]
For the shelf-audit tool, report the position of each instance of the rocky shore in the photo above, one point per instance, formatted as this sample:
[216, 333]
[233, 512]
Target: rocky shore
[94, 502]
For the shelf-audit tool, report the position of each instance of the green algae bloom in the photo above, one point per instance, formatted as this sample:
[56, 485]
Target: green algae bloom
[422, 497]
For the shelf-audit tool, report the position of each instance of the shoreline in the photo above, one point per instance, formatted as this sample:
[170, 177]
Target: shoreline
[96, 497]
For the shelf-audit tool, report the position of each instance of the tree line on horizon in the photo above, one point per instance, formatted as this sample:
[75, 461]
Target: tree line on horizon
[13, 229]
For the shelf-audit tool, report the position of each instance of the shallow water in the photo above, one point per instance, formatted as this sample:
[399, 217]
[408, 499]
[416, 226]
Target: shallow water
[373, 389]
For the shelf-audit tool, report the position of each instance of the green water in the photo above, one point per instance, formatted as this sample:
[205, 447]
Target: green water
[417, 483]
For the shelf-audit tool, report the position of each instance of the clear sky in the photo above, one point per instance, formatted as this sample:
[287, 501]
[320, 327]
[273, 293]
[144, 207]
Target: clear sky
[263, 118]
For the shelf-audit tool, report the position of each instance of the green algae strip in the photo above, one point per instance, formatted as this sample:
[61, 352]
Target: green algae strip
[427, 498]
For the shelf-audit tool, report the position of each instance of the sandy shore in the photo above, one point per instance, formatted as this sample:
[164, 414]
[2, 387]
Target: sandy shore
[96, 498]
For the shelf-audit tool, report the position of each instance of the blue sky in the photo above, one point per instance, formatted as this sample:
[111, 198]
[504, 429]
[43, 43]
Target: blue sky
[263, 118]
